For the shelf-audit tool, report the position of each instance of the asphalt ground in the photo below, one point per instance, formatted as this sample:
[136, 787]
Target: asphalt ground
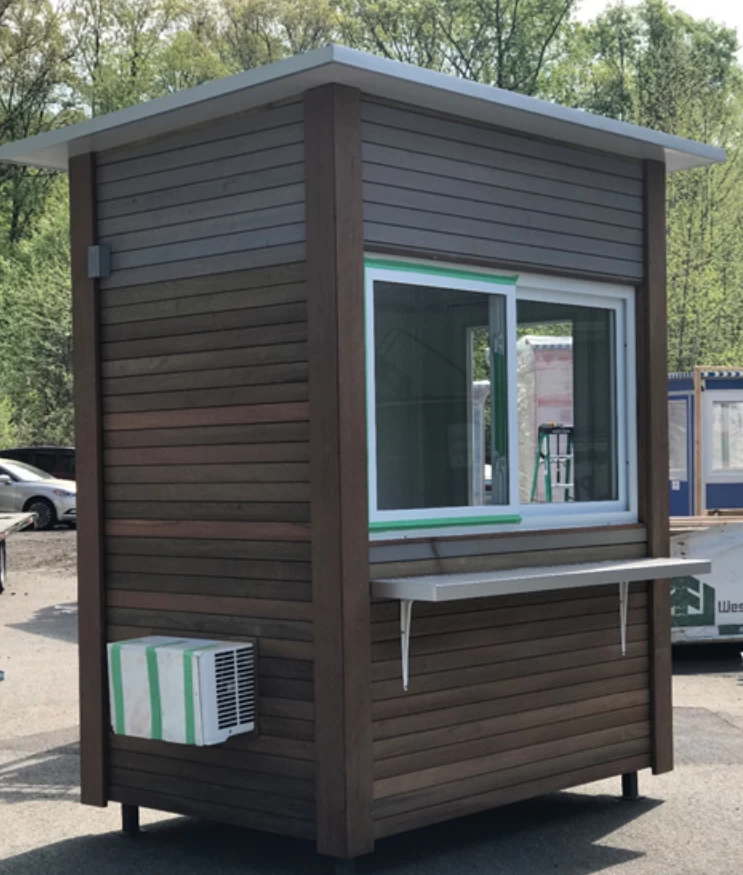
[687, 823]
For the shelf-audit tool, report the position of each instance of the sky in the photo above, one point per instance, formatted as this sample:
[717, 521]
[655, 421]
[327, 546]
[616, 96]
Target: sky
[728, 12]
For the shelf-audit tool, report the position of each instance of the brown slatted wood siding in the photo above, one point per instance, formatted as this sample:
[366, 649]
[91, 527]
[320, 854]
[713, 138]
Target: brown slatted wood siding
[437, 187]
[511, 696]
[223, 197]
[205, 447]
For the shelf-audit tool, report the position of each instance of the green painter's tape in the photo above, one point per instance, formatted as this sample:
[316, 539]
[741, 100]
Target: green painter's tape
[188, 696]
[155, 704]
[455, 273]
[393, 525]
[118, 689]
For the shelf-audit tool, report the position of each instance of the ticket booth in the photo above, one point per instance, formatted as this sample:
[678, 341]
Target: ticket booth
[298, 295]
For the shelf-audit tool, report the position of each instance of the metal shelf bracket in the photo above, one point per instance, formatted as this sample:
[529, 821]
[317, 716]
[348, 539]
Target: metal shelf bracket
[406, 619]
[623, 609]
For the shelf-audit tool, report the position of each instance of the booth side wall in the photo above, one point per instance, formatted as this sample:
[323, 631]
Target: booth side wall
[203, 381]
[214, 519]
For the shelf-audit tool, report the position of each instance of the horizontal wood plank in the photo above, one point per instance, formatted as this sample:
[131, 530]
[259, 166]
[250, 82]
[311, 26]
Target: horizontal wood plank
[476, 770]
[280, 806]
[239, 415]
[529, 764]
[208, 603]
[498, 561]
[526, 785]
[210, 398]
[180, 803]
[211, 360]
[216, 472]
[508, 686]
[198, 624]
[233, 587]
[253, 752]
[496, 651]
[409, 724]
[495, 616]
[242, 258]
[412, 550]
[241, 317]
[235, 774]
[398, 754]
[224, 338]
[152, 386]
[274, 648]
[443, 642]
[404, 118]
[207, 530]
[500, 670]
[284, 551]
[247, 569]
[283, 512]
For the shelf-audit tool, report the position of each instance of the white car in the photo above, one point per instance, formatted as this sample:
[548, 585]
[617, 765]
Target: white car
[25, 488]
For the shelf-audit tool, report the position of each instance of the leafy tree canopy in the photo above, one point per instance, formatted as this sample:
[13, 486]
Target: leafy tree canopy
[62, 60]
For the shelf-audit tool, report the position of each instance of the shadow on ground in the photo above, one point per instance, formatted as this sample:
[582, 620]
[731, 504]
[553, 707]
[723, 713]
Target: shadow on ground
[50, 774]
[557, 833]
[707, 659]
[56, 621]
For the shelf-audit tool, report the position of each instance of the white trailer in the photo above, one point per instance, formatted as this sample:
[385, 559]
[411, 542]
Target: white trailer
[708, 607]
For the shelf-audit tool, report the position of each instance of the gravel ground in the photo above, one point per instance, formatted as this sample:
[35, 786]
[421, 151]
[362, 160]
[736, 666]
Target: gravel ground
[688, 823]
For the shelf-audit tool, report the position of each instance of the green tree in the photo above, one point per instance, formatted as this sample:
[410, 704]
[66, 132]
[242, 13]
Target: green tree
[655, 66]
[507, 43]
[36, 331]
[34, 68]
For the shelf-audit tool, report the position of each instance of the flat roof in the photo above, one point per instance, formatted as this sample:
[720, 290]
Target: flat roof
[375, 76]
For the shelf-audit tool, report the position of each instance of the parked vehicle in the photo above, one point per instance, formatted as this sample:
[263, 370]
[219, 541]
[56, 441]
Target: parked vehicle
[24, 488]
[57, 461]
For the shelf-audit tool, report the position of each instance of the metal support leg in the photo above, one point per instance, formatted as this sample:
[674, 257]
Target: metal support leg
[406, 618]
[623, 608]
[344, 867]
[130, 820]
[630, 789]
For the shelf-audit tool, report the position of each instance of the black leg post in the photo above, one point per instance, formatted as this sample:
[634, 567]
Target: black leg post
[130, 820]
[344, 867]
[630, 788]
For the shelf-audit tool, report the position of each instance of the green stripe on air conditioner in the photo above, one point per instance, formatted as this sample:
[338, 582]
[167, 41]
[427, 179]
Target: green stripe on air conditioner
[188, 696]
[156, 710]
[153, 676]
[118, 689]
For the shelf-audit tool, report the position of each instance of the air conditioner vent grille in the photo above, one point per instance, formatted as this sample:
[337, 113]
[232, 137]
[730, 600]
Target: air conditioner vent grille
[235, 687]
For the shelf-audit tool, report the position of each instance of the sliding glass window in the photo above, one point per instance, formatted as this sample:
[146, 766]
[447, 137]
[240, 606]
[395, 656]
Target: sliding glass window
[491, 398]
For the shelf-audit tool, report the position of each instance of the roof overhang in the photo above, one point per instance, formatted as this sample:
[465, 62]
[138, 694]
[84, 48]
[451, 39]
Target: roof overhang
[375, 76]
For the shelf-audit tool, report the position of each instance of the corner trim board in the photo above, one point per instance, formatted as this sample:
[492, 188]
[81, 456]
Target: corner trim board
[94, 711]
[338, 482]
[653, 436]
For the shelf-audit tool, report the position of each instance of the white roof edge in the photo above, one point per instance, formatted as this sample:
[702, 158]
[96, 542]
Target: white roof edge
[374, 75]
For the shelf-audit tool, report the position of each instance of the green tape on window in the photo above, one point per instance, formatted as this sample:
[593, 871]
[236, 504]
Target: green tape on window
[454, 272]
[441, 523]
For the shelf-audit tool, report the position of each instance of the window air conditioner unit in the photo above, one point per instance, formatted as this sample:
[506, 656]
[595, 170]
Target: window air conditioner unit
[182, 690]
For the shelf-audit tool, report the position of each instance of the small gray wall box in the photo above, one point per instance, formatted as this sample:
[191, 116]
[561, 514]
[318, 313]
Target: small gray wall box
[99, 262]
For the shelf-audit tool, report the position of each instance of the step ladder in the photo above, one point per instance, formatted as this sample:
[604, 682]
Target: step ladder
[554, 447]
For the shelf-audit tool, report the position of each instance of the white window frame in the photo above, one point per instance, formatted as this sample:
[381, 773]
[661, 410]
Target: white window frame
[731, 475]
[621, 300]
[513, 516]
[497, 285]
